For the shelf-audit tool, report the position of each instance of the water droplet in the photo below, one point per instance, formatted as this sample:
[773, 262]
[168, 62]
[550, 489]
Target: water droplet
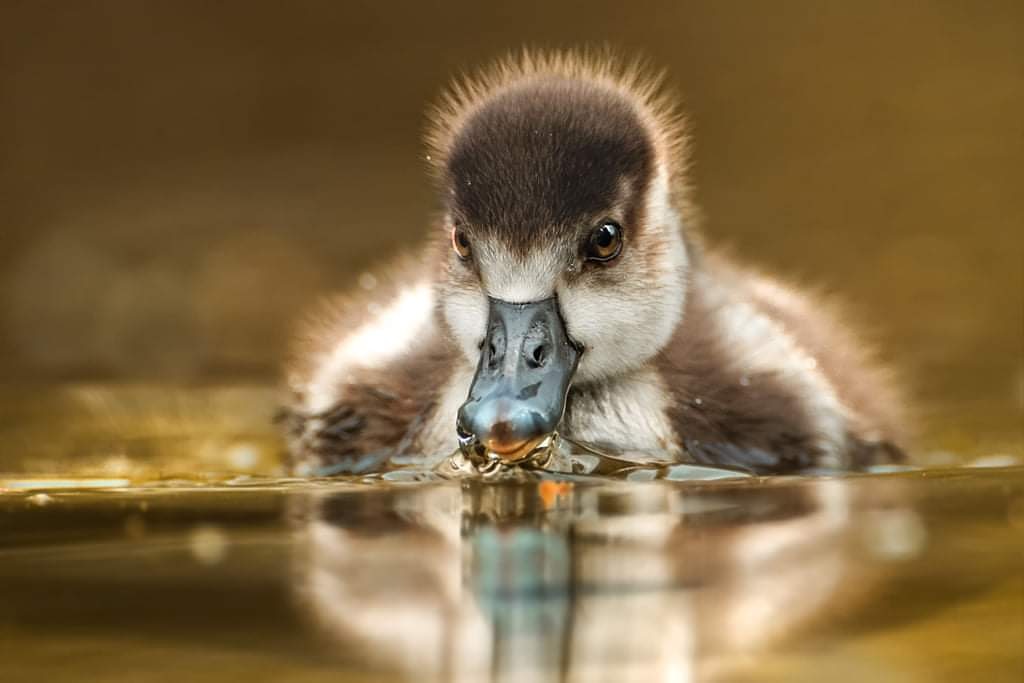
[698, 472]
[646, 474]
[890, 468]
[698, 401]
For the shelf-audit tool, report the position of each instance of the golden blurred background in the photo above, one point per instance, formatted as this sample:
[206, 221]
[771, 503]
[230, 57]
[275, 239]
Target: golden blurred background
[179, 179]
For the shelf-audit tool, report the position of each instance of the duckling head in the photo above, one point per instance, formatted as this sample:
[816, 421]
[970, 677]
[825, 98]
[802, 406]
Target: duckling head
[564, 203]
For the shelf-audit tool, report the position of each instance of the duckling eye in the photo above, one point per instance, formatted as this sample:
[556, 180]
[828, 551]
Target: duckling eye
[604, 242]
[460, 242]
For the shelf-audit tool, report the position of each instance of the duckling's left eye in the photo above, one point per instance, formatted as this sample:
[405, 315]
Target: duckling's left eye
[460, 243]
[604, 242]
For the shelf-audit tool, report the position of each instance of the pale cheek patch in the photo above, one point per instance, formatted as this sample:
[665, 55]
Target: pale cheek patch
[465, 312]
[390, 333]
[619, 331]
[622, 327]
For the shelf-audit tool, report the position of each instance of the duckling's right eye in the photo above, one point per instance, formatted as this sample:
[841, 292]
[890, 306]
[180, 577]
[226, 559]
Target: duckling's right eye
[604, 242]
[460, 243]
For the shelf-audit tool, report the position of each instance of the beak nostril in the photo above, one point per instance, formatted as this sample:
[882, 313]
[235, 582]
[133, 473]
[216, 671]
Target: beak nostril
[539, 355]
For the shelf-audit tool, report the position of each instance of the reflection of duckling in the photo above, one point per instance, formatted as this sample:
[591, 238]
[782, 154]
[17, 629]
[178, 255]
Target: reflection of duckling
[567, 271]
[494, 582]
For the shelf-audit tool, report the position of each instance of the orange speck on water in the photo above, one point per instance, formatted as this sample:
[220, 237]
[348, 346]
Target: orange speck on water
[549, 491]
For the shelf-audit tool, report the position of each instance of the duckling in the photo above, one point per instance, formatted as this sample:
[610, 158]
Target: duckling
[565, 287]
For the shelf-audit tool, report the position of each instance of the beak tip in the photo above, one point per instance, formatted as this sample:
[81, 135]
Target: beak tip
[511, 448]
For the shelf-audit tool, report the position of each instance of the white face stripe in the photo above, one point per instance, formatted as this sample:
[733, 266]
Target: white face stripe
[506, 277]
[465, 311]
[520, 279]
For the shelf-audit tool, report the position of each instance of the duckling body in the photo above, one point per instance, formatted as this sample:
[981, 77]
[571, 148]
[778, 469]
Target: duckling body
[566, 287]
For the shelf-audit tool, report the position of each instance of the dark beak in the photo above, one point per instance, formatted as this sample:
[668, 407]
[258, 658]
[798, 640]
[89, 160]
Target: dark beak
[518, 393]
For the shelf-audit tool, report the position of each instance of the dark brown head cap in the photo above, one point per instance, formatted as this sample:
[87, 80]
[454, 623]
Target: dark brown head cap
[542, 141]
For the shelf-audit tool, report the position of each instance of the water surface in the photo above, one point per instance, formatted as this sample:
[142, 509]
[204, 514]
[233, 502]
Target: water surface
[152, 534]
[897, 577]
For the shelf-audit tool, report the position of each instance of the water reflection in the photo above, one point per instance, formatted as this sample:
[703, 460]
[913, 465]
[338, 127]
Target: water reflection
[557, 580]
